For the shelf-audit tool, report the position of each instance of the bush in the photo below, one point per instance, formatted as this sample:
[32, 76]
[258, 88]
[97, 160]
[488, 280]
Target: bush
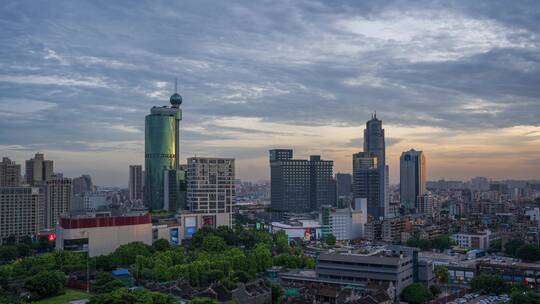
[46, 284]
[416, 294]
[489, 284]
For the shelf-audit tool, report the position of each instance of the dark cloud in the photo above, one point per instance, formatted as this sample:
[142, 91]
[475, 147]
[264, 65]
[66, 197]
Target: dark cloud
[77, 73]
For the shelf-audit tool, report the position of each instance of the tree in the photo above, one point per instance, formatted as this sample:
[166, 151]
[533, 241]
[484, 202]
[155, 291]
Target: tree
[282, 241]
[330, 240]
[416, 293]
[105, 262]
[161, 245]
[528, 253]
[46, 284]
[8, 253]
[495, 246]
[124, 296]
[213, 243]
[23, 250]
[488, 284]
[277, 293]
[106, 282]
[442, 242]
[442, 274]
[125, 254]
[435, 290]
[204, 301]
[512, 246]
[526, 297]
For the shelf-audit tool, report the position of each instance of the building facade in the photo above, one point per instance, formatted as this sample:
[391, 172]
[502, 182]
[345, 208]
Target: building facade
[383, 268]
[59, 199]
[21, 211]
[38, 170]
[82, 184]
[10, 173]
[366, 182]
[210, 184]
[345, 223]
[162, 149]
[102, 235]
[412, 179]
[374, 145]
[135, 185]
[299, 185]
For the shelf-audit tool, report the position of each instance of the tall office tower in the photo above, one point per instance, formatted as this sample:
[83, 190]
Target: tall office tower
[344, 189]
[38, 170]
[298, 185]
[289, 182]
[412, 178]
[320, 182]
[162, 149]
[21, 211]
[82, 184]
[135, 182]
[366, 182]
[59, 198]
[10, 173]
[374, 145]
[210, 184]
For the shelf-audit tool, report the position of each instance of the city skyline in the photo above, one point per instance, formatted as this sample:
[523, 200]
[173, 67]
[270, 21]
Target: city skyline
[469, 98]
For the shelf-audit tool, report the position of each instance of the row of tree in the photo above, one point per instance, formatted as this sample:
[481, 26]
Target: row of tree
[517, 248]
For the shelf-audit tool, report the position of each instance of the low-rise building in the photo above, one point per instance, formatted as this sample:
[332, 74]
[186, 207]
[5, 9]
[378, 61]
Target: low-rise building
[480, 240]
[101, 234]
[382, 267]
[308, 230]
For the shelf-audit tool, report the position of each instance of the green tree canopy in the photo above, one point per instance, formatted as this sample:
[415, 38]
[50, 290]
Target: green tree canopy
[125, 254]
[512, 246]
[46, 284]
[330, 240]
[441, 273]
[489, 284]
[528, 253]
[213, 243]
[161, 245]
[106, 282]
[416, 294]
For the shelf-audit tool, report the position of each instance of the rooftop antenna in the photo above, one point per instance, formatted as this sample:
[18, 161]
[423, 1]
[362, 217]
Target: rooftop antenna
[375, 115]
[176, 84]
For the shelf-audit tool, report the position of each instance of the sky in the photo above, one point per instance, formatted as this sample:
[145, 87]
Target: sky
[459, 80]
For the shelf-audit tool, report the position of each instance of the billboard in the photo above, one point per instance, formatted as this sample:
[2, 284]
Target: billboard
[174, 236]
[191, 226]
[209, 220]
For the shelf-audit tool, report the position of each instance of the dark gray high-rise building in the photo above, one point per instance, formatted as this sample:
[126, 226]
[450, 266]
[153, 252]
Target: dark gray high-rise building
[38, 170]
[135, 185]
[320, 182]
[412, 181]
[298, 185]
[344, 184]
[366, 181]
[374, 145]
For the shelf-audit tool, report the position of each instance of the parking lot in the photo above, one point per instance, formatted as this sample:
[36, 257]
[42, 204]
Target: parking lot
[474, 298]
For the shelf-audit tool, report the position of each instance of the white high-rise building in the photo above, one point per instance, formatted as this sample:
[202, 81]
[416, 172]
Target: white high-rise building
[38, 170]
[59, 193]
[210, 184]
[10, 173]
[21, 211]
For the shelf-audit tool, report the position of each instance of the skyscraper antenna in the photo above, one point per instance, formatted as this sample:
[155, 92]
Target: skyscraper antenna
[176, 84]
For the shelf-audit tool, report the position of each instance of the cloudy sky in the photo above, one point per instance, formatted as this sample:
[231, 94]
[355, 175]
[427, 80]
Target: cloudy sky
[458, 80]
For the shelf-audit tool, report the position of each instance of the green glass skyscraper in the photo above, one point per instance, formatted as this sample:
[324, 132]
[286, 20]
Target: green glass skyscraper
[162, 151]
